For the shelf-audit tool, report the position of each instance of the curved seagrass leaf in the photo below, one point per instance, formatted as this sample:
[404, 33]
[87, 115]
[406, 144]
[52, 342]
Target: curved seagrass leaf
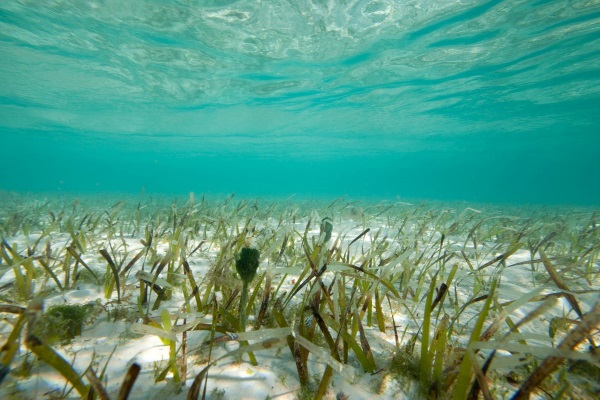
[128, 381]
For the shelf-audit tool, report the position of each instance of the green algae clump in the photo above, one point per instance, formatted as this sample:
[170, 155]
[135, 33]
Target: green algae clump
[62, 322]
[247, 264]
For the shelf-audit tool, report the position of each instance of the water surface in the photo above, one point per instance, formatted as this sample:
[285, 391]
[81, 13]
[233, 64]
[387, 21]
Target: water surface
[495, 101]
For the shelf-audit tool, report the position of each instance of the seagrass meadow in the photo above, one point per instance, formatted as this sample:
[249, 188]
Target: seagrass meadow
[256, 298]
[299, 199]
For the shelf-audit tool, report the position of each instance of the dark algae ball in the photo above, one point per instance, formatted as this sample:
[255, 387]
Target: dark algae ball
[247, 263]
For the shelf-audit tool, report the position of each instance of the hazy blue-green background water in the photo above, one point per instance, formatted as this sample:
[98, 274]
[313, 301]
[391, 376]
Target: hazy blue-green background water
[495, 101]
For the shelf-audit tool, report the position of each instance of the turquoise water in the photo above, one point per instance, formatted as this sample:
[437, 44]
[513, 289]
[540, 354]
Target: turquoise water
[492, 101]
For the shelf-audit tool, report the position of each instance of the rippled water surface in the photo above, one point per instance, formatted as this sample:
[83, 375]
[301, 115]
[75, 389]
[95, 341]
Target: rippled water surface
[474, 100]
